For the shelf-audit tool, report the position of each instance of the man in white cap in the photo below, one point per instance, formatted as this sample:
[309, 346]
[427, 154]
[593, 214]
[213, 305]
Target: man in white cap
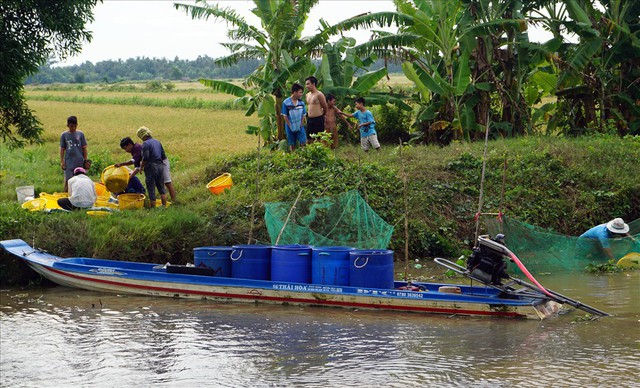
[604, 232]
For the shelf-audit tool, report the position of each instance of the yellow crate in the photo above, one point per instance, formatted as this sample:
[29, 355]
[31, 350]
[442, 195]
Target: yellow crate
[130, 201]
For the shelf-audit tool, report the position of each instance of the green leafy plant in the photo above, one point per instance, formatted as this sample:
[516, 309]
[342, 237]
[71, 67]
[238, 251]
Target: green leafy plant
[608, 267]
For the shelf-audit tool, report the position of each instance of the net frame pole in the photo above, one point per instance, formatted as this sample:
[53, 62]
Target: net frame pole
[484, 167]
[406, 215]
[288, 217]
[257, 197]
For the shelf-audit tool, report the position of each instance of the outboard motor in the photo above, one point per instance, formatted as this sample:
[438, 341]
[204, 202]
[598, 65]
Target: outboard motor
[487, 260]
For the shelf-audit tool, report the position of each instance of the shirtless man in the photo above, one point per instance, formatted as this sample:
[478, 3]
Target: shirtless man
[316, 108]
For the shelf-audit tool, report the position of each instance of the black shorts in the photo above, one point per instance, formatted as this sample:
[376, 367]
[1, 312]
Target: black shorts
[315, 125]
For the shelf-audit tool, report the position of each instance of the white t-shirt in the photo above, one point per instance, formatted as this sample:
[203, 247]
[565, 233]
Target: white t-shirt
[82, 191]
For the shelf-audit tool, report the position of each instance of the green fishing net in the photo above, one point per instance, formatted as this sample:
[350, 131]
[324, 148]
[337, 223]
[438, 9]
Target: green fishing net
[543, 250]
[341, 220]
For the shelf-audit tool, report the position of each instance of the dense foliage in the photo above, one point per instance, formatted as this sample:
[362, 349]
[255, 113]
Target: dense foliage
[473, 64]
[141, 69]
[30, 32]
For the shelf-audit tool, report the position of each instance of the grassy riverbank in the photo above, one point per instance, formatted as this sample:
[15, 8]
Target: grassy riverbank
[566, 185]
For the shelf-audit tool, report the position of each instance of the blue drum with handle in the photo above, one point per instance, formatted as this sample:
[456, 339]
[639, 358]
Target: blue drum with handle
[251, 262]
[330, 265]
[371, 268]
[291, 263]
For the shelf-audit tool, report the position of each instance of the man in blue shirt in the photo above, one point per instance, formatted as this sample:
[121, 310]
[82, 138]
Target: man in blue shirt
[293, 111]
[367, 125]
[604, 232]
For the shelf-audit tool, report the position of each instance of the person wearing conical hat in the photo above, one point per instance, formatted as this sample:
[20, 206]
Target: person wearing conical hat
[604, 232]
[152, 165]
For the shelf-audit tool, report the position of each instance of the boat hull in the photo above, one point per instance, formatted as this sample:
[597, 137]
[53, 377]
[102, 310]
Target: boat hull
[153, 280]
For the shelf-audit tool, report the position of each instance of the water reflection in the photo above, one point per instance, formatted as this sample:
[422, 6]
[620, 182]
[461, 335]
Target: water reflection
[64, 337]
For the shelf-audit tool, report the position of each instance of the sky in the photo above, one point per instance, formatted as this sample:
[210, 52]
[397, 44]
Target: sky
[125, 29]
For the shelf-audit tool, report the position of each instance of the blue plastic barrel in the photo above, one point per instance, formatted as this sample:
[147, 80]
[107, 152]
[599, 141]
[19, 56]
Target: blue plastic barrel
[330, 265]
[251, 262]
[216, 258]
[291, 263]
[371, 268]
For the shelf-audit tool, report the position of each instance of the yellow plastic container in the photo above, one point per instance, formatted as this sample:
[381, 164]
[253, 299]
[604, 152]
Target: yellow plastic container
[159, 202]
[35, 205]
[52, 199]
[630, 260]
[55, 196]
[220, 184]
[106, 204]
[98, 213]
[102, 192]
[115, 178]
[130, 201]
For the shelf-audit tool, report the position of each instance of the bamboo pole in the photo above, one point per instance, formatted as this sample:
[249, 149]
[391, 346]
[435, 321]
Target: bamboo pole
[288, 216]
[504, 182]
[484, 167]
[406, 215]
[255, 199]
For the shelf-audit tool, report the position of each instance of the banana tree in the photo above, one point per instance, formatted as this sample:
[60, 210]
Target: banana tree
[259, 98]
[600, 73]
[337, 76]
[278, 43]
[434, 42]
[440, 64]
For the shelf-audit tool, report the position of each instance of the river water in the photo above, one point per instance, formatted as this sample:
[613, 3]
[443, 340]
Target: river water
[60, 337]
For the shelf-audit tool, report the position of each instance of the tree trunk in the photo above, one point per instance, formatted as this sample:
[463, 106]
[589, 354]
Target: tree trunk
[280, 118]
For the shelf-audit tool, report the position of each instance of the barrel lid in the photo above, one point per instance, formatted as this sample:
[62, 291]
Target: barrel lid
[371, 252]
[334, 248]
[213, 248]
[250, 246]
[291, 247]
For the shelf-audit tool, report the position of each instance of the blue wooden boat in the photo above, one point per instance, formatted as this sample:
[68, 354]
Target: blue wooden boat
[157, 280]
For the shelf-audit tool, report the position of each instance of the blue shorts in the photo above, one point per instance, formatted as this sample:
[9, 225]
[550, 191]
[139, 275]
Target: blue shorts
[299, 136]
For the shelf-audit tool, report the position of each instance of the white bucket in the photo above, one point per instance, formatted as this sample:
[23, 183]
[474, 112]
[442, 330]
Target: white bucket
[25, 192]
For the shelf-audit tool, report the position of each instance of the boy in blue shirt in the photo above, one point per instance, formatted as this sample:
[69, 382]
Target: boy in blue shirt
[293, 111]
[367, 125]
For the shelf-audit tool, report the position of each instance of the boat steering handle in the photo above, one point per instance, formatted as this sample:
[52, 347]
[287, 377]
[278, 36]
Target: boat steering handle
[355, 262]
[235, 258]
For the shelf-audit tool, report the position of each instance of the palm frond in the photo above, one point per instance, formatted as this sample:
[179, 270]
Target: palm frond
[369, 80]
[224, 87]
[243, 31]
[381, 45]
[233, 59]
[281, 80]
[368, 20]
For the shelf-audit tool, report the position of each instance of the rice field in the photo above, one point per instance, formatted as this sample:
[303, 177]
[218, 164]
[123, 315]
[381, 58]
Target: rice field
[191, 138]
[190, 133]
[202, 94]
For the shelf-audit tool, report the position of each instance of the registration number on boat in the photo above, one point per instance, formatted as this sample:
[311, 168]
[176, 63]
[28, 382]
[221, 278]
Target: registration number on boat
[105, 271]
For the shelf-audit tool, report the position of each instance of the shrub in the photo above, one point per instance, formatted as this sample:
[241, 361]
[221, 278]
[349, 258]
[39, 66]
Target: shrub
[392, 123]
